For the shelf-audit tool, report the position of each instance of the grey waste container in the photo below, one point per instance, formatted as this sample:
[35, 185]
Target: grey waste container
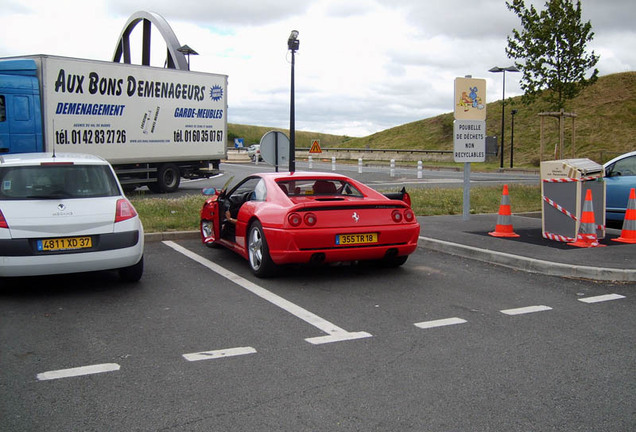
[564, 184]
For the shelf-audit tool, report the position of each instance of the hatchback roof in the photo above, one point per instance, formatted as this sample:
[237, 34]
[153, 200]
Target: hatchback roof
[36, 158]
[628, 154]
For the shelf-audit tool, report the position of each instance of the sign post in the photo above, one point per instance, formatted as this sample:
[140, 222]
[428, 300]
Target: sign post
[275, 148]
[469, 129]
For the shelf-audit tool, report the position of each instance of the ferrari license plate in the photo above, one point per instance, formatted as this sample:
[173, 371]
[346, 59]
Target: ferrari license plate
[68, 243]
[356, 239]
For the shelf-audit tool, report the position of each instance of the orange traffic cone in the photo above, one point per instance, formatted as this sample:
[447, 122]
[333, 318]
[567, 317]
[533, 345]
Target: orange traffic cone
[504, 218]
[628, 235]
[587, 230]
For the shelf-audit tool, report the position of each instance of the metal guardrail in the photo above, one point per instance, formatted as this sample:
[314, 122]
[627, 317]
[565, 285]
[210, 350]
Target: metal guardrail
[363, 150]
[366, 150]
[370, 154]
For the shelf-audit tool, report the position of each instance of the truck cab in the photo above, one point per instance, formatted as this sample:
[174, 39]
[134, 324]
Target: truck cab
[20, 115]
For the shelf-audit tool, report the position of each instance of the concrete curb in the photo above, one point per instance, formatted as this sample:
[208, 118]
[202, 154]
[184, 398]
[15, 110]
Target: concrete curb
[171, 235]
[530, 265]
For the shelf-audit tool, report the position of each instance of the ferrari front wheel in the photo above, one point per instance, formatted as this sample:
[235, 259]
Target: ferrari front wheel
[258, 252]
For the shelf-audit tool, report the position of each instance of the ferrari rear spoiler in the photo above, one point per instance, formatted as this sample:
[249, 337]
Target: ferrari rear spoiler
[402, 195]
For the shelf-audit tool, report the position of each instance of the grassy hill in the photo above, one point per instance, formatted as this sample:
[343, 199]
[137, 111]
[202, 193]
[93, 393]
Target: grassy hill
[604, 127]
[253, 135]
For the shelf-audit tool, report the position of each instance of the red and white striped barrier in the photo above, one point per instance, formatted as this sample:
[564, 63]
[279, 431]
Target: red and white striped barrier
[569, 180]
[558, 237]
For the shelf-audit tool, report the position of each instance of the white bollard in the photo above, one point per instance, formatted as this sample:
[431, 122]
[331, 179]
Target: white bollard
[392, 167]
[419, 169]
[359, 165]
[333, 163]
[311, 162]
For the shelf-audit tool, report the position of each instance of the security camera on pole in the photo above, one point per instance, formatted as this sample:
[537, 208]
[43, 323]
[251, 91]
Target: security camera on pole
[469, 128]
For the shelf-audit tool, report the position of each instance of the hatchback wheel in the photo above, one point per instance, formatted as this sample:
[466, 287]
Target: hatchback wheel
[132, 273]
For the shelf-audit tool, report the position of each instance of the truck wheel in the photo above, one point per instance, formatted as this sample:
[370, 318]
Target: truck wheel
[168, 179]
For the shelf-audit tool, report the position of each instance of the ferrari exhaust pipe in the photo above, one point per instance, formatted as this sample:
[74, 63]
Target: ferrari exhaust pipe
[317, 258]
[391, 253]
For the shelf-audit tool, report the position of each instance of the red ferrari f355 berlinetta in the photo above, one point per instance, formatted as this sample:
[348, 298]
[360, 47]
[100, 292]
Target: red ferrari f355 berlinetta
[273, 219]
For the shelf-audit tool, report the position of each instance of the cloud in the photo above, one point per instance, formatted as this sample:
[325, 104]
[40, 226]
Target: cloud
[219, 13]
[362, 66]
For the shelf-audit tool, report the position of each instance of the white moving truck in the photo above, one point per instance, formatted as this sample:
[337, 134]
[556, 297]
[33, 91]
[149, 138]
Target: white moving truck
[153, 125]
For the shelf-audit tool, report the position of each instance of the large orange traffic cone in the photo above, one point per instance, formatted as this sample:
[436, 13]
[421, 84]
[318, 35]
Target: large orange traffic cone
[504, 218]
[587, 229]
[628, 235]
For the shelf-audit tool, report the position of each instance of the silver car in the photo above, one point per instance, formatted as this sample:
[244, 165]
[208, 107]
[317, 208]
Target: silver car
[254, 151]
[66, 213]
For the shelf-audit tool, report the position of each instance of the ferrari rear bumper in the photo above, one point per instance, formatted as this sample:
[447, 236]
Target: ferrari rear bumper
[284, 246]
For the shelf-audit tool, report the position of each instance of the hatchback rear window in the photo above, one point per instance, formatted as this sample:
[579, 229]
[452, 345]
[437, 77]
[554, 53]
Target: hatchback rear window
[57, 182]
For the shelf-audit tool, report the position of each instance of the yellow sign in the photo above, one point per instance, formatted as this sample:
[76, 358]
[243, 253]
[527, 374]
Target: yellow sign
[315, 147]
[470, 99]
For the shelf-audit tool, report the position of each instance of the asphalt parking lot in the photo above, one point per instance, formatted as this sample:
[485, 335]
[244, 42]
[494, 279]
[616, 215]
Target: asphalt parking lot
[444, 342]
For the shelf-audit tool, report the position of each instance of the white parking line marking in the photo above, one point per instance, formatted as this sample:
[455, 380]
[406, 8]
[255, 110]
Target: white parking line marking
[440, 323]
[601, 298]
[212, 355]
[335, 333]
[526, 310]
[78, 371]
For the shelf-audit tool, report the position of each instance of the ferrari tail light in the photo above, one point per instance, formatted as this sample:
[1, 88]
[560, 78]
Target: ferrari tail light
[310, 219]
[294, 219]
[125, 210]
[3, 221]
[396, 216]
[409, 215]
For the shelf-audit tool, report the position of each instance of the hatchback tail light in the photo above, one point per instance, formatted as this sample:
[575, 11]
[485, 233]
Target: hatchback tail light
[3, 221]
[125, 210]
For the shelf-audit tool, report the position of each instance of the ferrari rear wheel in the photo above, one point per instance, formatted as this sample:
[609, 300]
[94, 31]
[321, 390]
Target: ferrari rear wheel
[260, 261]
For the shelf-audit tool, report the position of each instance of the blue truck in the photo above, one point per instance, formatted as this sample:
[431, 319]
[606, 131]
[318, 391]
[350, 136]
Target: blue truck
[154, 125]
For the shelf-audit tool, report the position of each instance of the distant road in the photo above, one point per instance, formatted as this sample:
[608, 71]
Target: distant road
[378, 177]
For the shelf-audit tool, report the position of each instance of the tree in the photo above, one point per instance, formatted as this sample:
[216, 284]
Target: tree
[551, 52]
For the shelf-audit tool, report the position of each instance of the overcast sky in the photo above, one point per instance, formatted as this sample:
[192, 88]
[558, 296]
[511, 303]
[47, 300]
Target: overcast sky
[363, 65]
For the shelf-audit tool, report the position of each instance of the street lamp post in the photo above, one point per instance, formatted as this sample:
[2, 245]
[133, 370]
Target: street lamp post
[498, 69]
[187, 51]
[512, 134]
[292, 44]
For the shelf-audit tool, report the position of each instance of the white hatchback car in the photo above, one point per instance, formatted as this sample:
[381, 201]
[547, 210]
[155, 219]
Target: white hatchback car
[66, 214]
